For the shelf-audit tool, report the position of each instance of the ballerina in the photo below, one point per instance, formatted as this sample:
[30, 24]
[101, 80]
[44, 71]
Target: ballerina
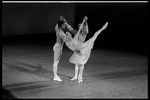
[82, 50]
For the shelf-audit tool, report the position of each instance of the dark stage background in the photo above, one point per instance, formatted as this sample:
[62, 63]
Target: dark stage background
[35, 23]
[30, 18]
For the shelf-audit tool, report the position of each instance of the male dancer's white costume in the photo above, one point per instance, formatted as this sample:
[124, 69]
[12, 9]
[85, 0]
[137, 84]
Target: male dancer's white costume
[60, 39]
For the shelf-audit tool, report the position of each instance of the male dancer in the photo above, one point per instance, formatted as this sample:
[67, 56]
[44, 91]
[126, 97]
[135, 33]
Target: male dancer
[60, 28]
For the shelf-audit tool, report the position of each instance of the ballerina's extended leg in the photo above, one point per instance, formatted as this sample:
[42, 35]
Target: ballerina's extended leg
[90, 42]
[99, 31]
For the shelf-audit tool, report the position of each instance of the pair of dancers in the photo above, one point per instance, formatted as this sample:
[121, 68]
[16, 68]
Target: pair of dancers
[81, 49]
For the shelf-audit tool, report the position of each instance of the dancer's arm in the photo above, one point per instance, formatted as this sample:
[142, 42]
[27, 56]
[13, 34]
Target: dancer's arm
[61, 34]
[91, 40]
[73, 46]
[86, 28]
[64, 37]
[80, 28]
[73, 31]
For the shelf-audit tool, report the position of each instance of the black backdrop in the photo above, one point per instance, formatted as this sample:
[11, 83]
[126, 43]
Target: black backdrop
[127, 29]
[34, 18]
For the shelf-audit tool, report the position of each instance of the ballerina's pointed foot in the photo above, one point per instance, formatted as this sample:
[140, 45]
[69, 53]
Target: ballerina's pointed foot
[74, 78]
[105, 25]
[57, 79]
[80, 79]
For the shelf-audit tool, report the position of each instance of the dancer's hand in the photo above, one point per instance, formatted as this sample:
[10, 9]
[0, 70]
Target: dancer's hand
[105, 26]
[85, 18]
[61, 17]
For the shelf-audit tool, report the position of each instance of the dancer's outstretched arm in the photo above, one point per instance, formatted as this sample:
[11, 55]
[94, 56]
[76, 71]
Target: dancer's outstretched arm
[81, 26]
[86, 27]
[75, 39]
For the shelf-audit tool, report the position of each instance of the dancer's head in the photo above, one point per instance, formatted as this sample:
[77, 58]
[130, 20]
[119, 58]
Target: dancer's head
[61, 24]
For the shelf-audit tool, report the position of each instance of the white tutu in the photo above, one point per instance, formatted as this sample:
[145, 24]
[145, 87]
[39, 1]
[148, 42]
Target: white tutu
[82, 56]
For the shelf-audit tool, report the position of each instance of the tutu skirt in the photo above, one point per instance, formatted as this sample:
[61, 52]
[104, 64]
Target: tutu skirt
[82, 56]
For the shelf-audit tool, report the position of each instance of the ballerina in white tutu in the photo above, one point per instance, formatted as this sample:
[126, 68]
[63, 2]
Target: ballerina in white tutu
[82, 50]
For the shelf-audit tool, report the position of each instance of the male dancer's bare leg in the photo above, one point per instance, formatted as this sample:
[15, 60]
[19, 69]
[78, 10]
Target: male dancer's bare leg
[57, 55]
[76, 72]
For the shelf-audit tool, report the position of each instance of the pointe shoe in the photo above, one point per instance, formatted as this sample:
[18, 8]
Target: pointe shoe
[80, 79]
[106, 24]
[57, 79]
[74, 78]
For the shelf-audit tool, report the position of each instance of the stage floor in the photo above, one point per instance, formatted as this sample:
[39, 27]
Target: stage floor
[27, 73]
